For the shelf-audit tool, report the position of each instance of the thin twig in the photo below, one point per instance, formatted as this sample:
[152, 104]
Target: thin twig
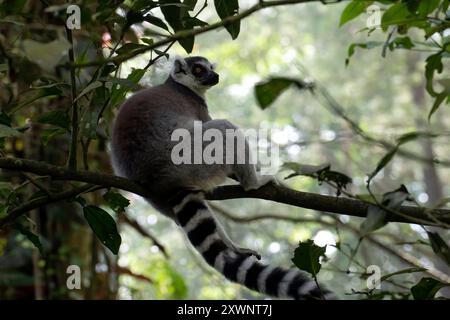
[126, 271]
[142, 231]
[43, 201]
[36, 183]
[72, 163]
[163, 53]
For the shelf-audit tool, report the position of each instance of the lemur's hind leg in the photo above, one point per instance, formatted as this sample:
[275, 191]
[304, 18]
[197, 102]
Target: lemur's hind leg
[236, 161]
[230, 244]
[237, 156]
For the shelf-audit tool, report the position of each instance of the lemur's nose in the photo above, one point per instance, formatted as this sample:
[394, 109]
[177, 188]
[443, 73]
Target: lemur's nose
[215, 77]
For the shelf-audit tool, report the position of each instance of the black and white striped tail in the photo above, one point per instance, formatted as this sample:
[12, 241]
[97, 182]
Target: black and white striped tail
[200, 226]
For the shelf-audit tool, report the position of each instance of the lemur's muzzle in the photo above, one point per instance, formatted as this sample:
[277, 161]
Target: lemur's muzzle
[211, 80]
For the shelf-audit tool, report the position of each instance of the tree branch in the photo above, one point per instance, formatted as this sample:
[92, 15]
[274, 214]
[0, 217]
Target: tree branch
[126, 271]
[277, 193]
[347, 206]
[187, 33]
[403, 256]
[43, 201]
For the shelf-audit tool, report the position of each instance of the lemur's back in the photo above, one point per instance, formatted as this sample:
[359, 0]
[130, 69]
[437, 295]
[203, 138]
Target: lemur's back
[141, 146]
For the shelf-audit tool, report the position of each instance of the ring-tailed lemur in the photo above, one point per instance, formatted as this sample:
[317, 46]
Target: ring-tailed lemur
[141, 151]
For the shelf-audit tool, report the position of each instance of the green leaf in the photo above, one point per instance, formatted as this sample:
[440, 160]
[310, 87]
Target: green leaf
[116, 201]
[148, 41]
[143, 5]
[54, 89]
[383, 162]
[191, 22]
[408, 270]
[120, 81]
[97, 103]
[268, 91]
[410, 136]
[91, 86]
[187, 44]
[401, 43]
[57, 118]
[352, 10]
[80, 200]
[412, 5]
[439, 246]
[6, 131]
[437, 103]
[173, 14]
[5, 119]
[118, 93]
[407, 137]
[228, 8]
[396, 14]
[156, 22]
[433, 63]
[445, 83]
[161, 53]
[104, 227]
[427, 288]
[307, 255]
[131, 18]
[190, 4]
[428, 6]
[30, 236]
[48, 134]
[367, 45]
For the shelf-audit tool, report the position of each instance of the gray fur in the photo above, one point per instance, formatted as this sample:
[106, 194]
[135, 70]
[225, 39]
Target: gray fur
[141, 145]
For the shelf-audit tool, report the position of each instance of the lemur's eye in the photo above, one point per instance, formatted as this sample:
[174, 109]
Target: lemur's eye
[198, 71]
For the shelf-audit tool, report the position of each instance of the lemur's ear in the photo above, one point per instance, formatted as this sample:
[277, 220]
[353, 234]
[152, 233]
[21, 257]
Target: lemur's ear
[179, 65]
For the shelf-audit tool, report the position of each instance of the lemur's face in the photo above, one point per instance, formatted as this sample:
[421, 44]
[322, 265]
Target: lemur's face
[196, 73]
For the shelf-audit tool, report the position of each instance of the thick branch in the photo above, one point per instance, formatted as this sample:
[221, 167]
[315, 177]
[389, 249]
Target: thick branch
[319, 202]
[62, 173]
[270, 192]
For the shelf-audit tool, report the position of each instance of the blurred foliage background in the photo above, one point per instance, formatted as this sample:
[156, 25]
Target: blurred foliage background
[386, 96]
